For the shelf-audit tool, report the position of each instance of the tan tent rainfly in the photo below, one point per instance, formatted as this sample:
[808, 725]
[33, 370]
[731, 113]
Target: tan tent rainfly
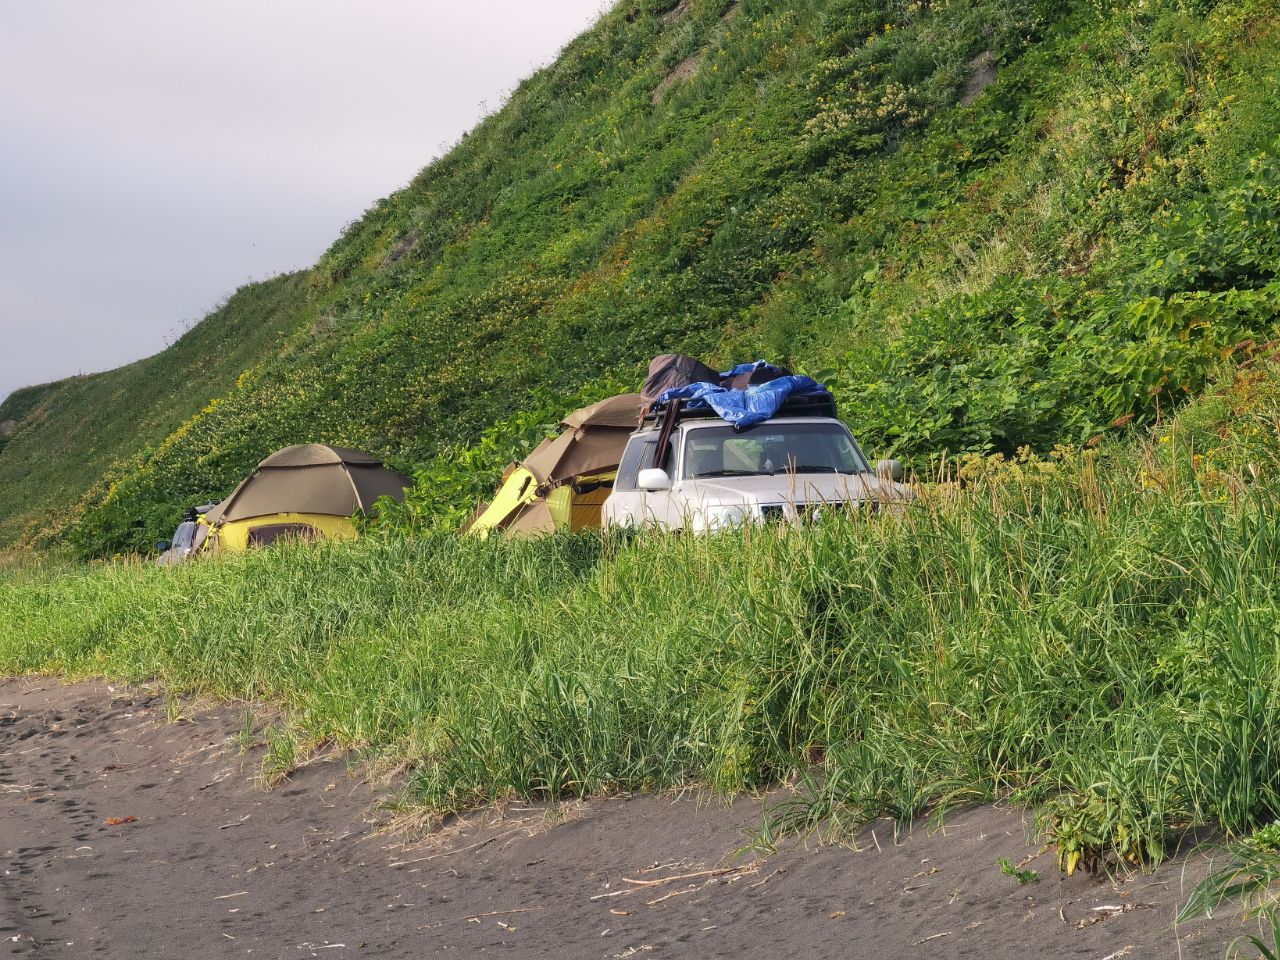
[562, 484]
[310, 491]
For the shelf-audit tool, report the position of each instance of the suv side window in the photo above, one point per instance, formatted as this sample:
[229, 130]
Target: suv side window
[640, 453]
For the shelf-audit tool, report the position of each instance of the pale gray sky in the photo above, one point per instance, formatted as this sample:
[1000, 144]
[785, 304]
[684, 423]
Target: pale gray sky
[154, 155]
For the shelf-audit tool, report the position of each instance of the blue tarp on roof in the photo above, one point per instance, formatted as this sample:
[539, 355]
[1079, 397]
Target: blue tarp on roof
[745, 408]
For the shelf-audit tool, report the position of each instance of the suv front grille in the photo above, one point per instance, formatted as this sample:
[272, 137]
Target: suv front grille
[811, 512]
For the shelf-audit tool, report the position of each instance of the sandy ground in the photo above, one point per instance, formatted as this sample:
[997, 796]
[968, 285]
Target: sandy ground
[207, 863]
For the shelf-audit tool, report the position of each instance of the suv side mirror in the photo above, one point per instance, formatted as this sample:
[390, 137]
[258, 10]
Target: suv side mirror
[163, 545]
[890, 470]
[653, 479]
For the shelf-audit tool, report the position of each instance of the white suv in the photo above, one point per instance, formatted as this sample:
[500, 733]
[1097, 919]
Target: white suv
[700, 473]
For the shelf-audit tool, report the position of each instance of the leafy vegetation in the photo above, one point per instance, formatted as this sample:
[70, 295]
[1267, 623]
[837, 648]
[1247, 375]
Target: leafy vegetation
[824, 182]
[1022, 875]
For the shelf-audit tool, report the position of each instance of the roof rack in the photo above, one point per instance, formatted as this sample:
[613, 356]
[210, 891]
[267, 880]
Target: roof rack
[675, 411]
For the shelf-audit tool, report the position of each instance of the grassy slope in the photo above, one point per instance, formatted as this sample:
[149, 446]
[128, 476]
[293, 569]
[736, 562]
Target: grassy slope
[1083, 242]
[1095, 638]
[67, 434]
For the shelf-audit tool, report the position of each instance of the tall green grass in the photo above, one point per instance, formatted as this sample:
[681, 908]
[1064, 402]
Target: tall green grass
[1094, 634]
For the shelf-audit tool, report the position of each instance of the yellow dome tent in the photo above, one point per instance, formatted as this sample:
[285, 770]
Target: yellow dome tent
[309, 491]
[564, 482]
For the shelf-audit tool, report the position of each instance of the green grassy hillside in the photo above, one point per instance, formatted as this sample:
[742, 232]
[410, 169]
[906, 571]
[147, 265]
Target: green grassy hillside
[63, 437]
[824, 182]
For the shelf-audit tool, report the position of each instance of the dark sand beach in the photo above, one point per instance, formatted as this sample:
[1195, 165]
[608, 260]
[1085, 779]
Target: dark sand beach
[126, 835]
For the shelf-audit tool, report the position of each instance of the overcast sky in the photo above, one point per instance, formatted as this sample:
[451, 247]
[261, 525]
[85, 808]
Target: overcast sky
[154, 155]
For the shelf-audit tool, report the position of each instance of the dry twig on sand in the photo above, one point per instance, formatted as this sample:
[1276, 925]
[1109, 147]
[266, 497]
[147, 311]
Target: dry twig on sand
[501, 913]
[719, 871]
[936, 936]
[613, 893]
[1107, 911]
[673, 893]
[446, 853]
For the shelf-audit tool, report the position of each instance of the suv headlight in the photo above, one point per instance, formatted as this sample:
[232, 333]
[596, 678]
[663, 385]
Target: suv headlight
[723, 517]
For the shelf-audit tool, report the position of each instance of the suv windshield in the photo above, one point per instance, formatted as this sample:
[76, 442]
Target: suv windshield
[771, 448]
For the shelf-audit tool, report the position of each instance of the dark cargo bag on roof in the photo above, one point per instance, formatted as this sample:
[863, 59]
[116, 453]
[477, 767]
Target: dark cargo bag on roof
[671, 370]
[750, 374]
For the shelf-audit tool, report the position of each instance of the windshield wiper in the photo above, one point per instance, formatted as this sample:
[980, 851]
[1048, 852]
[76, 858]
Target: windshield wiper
[814, 468]
[726, 473]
